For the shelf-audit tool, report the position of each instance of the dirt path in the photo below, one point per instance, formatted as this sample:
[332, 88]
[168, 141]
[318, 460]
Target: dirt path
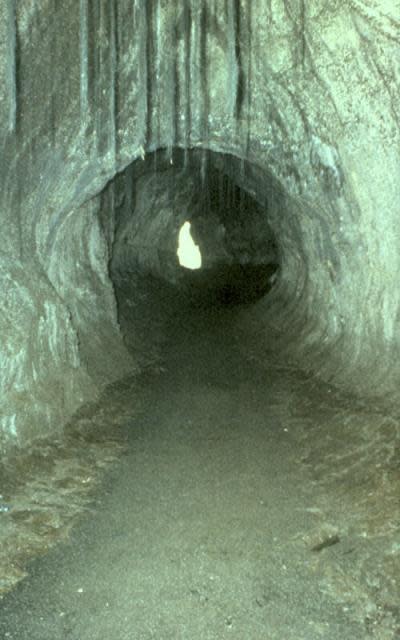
[210, 526]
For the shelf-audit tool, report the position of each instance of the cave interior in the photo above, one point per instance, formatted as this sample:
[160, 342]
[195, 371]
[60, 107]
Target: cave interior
[200, 242]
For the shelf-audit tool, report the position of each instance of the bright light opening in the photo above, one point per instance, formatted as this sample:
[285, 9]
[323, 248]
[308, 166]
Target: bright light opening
[188, 252]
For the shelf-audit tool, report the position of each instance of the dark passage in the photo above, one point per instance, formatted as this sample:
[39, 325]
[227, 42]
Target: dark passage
[230, 227]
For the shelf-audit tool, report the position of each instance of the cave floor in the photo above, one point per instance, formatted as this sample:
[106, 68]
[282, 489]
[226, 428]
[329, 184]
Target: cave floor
[247, 504]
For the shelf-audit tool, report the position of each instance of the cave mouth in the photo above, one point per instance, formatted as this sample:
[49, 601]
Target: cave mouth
[188, 252]
[170, 196]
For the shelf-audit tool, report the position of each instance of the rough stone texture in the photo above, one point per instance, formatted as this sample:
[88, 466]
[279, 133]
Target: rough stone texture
[306, 94]
[41, 379]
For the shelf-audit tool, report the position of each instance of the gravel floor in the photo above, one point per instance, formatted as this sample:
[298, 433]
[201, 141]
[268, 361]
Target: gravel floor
[227, 517]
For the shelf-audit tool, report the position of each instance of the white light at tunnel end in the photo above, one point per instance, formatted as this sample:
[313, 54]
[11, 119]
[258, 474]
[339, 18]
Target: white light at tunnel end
[188, 252]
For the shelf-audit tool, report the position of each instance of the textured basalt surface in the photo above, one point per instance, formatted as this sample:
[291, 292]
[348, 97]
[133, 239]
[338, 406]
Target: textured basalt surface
[302, 104]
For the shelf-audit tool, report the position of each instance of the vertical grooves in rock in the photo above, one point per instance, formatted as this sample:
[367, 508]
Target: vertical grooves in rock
[195, 89]
[53, 92]
[97, 72]
[303, 31]
[149, 30]
[173, 87]
[249, 74]
[187, 27]
[203, 72]
[204, 91]
[143, 70]
[158, 68]
[233, 62]
[84, 59]
[12, 64]
[113, 78]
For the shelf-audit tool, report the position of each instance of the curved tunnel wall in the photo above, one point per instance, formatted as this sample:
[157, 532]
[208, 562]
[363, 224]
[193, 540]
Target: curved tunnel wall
[307, 96]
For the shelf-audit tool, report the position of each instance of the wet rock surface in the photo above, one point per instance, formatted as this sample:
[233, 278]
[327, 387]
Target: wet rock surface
[300, 103]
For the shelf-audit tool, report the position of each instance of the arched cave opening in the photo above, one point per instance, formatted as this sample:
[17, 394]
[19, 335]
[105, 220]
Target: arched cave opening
[243, 387]
[157, 196]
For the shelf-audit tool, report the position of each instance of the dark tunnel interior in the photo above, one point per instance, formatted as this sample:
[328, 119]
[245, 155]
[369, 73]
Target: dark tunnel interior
[199, 320]
[239, 252]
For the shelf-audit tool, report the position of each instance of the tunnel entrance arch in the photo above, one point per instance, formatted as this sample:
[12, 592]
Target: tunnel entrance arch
[189, 196]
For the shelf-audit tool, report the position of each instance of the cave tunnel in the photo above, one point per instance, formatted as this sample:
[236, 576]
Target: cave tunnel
[199, 354]
[188, 197]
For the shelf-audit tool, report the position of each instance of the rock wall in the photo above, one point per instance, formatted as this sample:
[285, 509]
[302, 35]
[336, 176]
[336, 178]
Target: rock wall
[307, 98]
